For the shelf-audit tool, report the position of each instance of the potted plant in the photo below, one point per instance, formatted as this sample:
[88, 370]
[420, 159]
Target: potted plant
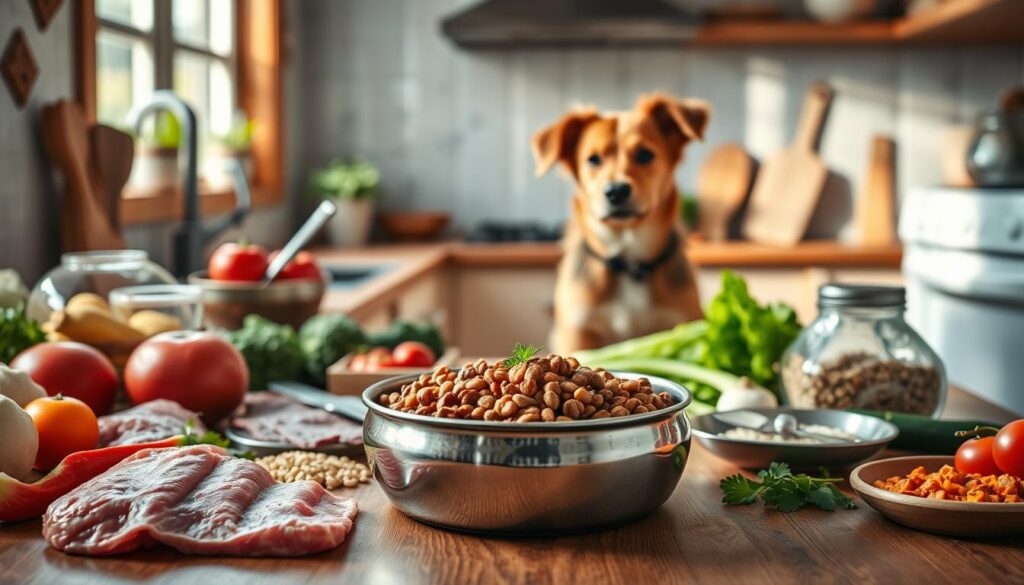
[233, 144]
[352, 186]
[156, 155]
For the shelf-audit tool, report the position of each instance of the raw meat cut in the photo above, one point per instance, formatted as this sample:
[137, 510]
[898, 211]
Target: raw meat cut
[147, 422]
[198, 500]
[275, 418]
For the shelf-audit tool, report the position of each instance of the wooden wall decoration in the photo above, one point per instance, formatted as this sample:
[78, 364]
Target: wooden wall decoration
[44, 11]
[19, 67]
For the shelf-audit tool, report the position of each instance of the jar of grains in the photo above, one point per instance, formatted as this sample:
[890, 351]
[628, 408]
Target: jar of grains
[860, 353]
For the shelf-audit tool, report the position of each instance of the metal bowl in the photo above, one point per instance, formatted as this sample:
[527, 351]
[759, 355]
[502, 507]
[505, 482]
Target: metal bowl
[290, 302]
[526, 478]
[874, 435]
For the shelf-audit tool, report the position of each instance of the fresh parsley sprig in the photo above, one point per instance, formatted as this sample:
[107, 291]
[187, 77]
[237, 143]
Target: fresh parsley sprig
[779, 488]
[189, 437]
[521, 354]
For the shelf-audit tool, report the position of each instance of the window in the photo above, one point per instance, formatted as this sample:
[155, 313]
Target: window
[184, 45]
[221, 56]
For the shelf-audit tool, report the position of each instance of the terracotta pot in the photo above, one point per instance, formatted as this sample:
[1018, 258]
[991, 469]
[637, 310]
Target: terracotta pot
[351, 225]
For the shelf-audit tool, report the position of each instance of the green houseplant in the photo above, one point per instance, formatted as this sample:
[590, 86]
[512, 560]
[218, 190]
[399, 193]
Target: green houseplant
[234, 144]
[156, 154]
[352, 186]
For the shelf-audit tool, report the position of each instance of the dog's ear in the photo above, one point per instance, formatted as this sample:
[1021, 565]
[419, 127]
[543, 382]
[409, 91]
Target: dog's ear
[686, 118]
[557, 142]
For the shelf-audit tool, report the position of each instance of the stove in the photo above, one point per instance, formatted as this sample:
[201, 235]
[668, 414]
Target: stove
[509, 231]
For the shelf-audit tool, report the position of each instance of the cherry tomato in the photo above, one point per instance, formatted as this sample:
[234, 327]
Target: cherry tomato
[238, 263]
[200, 371]
[303, 265]
[357, 363]
[65, 426]
[413, 354]
[1008, 450]
[377, 358]
[73, 369]
[975, 456]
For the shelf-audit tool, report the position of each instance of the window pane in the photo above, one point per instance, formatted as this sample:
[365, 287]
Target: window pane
[124, 76]
[136, 13]
[206, 85]
[206, 24]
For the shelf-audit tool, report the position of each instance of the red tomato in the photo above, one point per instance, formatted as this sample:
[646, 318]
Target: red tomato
[975, 456]
[413, 354]
[239, 263]
[200, 371]
[65, 426]
[357, 363]
[1008, 450]
[303, 265]
[377, 358]
[72, 369]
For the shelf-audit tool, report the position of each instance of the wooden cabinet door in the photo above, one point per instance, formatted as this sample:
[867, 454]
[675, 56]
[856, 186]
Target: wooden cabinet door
[493, 308]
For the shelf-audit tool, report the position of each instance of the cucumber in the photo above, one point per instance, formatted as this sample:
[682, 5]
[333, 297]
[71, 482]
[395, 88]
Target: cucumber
[924, 434]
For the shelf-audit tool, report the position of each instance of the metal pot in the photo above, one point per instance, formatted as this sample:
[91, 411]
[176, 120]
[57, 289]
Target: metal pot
[521, 478]
[290, 302]
[996, 155]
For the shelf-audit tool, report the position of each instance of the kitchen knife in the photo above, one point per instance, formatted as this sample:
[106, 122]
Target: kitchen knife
[350, 407]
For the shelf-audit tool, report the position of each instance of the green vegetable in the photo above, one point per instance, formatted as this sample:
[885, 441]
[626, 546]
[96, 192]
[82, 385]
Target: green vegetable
[271, 351]
[521, 354]
[400, 331]
[324, 339]
[743, 337]
[685, 373]
[924, 434]
[780, 489]
[189, 437]
[17, 333]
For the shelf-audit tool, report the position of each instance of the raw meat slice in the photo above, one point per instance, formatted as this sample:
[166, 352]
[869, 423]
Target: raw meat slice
[198, 500]
[276, 418]
[147, 422]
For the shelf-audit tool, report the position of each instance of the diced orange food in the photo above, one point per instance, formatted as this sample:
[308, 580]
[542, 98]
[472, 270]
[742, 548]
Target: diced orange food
[949, 484]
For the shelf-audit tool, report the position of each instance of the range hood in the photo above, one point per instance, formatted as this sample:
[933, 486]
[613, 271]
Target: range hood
[560, 23]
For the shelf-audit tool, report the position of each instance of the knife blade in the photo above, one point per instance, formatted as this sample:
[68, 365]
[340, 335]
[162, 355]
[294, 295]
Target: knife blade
[350, 407]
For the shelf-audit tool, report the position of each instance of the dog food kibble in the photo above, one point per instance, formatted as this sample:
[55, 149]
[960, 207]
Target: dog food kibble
[861, 380]
[549, 389]
[330, 471]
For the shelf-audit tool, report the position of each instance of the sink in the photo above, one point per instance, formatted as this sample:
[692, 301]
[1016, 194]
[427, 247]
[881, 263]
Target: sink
[345, 276]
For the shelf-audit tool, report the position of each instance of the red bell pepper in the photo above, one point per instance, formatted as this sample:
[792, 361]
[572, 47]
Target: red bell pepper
[22, 501]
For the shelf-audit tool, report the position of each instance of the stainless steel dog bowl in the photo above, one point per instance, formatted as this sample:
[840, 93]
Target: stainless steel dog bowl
[874, 434]
[524, 478]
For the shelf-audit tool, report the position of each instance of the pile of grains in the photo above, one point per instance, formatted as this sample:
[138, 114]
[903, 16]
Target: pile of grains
[752, 435]
[330, 471]
[548, 389]
[861, 380]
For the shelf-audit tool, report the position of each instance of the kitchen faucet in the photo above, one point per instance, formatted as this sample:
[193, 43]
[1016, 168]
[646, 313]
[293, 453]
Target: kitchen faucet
[192, 236]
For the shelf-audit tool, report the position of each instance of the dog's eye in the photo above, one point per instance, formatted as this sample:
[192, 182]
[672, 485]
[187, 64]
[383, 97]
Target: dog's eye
[594, 160]
[643, 156]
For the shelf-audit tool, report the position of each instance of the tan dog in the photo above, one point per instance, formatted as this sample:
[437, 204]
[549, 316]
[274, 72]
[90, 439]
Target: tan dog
[624, 272]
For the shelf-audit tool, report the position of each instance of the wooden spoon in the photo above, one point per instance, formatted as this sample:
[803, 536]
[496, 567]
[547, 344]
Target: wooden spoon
[722, 188]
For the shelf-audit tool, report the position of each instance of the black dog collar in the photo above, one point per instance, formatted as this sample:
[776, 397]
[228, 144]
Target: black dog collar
[636, 270]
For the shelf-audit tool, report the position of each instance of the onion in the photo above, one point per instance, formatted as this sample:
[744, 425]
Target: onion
[18, 438]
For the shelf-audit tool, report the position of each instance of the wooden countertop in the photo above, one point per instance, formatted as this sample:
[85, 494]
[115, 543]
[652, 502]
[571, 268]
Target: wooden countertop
[411, 261]
[692, 538]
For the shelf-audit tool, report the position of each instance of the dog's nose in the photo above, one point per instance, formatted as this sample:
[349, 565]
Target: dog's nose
[617, 192]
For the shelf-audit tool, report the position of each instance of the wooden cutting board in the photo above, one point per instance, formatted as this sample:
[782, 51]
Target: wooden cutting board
[722, 187]
[876, 221]
[85, 221]
[111, 160]
[789, 183]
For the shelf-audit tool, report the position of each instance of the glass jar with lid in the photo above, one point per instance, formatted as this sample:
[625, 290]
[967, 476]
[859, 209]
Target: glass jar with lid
[861, 353]
[97, 272]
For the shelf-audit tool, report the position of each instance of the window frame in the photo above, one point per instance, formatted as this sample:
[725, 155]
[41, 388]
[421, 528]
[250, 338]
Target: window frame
[256, 66]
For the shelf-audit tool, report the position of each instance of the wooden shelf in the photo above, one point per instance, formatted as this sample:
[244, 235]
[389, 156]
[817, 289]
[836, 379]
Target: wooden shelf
[977, 22]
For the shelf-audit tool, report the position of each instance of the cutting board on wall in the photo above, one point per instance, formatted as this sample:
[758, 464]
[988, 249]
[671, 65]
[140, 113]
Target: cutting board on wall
[722, 188]
[789, 182]
[876, 214]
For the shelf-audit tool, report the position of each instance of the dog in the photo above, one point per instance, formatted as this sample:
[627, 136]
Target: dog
[623, 272]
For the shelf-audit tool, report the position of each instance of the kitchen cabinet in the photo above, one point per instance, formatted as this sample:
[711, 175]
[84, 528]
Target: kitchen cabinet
[493, 308]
